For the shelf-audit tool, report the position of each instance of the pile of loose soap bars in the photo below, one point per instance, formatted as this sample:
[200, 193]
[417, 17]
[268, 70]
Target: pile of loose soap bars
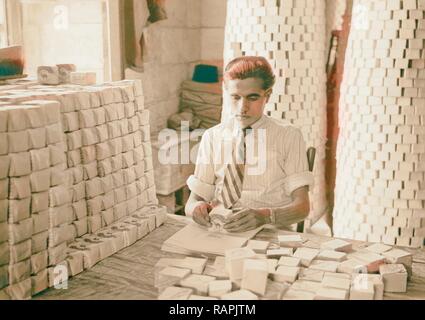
[293, 270]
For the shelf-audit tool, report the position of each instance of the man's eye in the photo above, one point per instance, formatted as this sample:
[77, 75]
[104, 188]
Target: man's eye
[235, 98]
[253, 98]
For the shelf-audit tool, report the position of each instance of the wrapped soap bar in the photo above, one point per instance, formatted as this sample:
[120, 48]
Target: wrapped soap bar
[81, 227]
[75, 260]
[133, 124]
[90, 136]
[39, 282]
[88, 154]
[20, 188]
[59, 196]
[70, 121]
[48, 75]
[60, 215]
[20, 164]
[19, 210]
[37, 138]
[40, 159]
[50, 109]
[18, 141]
[107, 217]
[108, 200]
[103, 151]
[117, 163]
[20, 252]
[83, 78]
[104, 167]
[94, 206]
[64, 71]
[39, 262]
[20, 231]
[39, 202]
[38, 242]
[57, 153]
[54, 133]
[120, 211]
[40, 221]
[80, 209]
[40, 180]
[102, 132]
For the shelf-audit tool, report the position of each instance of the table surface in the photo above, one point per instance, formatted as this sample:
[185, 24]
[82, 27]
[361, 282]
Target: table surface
[129, 274]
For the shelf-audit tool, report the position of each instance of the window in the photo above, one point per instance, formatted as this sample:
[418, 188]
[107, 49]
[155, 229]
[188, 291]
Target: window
[3, 25]
[83, 32]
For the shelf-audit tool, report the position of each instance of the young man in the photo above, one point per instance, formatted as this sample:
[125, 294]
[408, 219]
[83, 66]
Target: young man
[278, 193]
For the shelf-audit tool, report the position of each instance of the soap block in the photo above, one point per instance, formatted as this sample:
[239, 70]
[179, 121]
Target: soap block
[286, 274]
[352, 266]
[337, 245]
[258, 246]
[336, 282]
[175, 293]
[234, 261]
[199, 283]
[277, 253]
[306, 255]
[293, 294]
[371, 260]
[332, 294]
[170, 276]
[362, 288]
[39, 282]
[394, 276]
[83, 78]
[195, 265]
[289, 262]
[306, 285]
[39, 262]
[311, 275]
[330, 255]
[65, 72]
[254, 276]
[327, 266]
[275, 290]
[378, 248]
[48, 75]
[398, 256]
[290, 241]
[239, 295]
[19, 291]
[219, 216]
[272, 264]
[218, 288]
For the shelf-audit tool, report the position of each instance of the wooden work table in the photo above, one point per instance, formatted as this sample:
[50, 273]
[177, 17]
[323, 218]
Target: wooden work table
[129, 274]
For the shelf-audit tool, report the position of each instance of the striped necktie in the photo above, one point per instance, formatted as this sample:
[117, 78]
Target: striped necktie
[234, 172]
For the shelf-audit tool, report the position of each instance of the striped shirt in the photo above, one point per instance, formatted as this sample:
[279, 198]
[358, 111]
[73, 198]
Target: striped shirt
[276, 163]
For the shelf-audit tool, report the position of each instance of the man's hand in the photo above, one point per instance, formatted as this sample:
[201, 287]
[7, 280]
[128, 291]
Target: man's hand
[201, 214]
[247, 219]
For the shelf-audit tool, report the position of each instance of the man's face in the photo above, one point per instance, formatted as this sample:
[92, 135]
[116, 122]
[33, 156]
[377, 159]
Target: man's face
[247, 100]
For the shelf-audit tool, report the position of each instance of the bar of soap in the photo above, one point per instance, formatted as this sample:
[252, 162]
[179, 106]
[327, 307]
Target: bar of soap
[65, 72]
[83, 78]
[394, 276]
[48, 75]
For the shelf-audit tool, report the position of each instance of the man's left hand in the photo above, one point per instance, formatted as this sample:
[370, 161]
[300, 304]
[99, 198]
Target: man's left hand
[245, 220]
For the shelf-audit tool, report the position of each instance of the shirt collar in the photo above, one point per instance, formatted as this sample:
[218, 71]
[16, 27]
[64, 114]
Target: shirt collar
[258, 124]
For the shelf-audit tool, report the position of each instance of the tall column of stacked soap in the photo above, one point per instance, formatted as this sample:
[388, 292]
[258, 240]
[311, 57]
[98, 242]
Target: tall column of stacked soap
[82, 170]
[380, 190]
[33, 132]
[291, 35]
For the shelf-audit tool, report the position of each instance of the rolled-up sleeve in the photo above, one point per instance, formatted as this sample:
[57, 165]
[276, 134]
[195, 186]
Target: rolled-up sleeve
[296, 164]
[202, 182]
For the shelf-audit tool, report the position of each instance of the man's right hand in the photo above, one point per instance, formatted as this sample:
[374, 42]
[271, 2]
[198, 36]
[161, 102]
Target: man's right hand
[201, 214]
